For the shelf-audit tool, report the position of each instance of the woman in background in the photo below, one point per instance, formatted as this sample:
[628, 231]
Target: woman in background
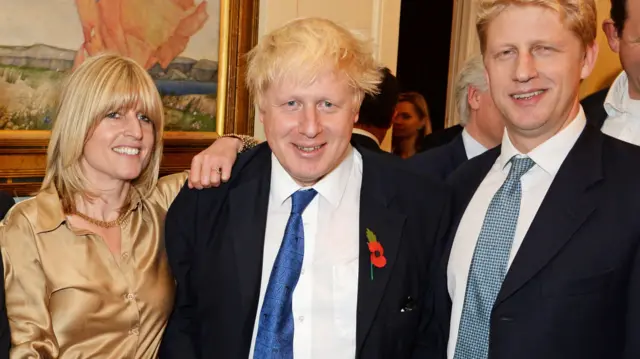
[410, 124]
[85, 269]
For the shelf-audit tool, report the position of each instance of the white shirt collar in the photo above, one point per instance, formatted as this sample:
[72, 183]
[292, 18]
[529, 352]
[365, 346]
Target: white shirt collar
[472, 147]
[550, 154]
[362, 132]
[618, 101]
[331, 187]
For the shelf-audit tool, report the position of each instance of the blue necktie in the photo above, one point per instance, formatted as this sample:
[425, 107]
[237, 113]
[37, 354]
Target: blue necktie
[489, 264]
[275, 328]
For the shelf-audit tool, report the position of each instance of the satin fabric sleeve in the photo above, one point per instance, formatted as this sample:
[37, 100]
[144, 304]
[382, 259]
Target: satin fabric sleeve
[168, 188]
[26, 292]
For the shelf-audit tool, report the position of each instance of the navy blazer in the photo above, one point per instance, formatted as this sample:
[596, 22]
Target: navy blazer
[573, 289]
[593, 106]
[439, 162]
[215, 239]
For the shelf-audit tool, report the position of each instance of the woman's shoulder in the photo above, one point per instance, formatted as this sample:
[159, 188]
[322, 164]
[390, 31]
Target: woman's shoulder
[168, 188]
[38, 213]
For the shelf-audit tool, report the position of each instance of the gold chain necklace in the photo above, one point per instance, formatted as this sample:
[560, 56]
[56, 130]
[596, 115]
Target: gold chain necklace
[117, 222]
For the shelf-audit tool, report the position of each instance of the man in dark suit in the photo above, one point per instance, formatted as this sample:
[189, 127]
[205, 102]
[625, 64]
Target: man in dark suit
[6, 202]
[545, 257]
[483, 125]
[310, 236]
[376, 114]
[614, 109]
[440, 138]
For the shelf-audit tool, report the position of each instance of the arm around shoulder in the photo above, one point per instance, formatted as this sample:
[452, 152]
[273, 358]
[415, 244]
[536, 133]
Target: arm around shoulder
[168, 188]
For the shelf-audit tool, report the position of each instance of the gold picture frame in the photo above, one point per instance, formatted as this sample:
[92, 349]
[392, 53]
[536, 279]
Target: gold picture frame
[23, 152]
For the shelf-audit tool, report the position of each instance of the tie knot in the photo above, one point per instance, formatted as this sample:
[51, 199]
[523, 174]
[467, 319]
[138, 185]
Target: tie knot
[520, 166]
[301, 199]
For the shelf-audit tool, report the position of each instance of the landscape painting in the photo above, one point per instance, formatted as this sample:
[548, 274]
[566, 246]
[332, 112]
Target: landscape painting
[43, 40]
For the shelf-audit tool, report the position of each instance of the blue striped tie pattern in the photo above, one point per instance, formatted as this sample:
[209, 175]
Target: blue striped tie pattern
[274, 339]
[489, 264]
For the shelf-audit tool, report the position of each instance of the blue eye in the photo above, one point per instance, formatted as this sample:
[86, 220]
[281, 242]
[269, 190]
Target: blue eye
[291, 103]
[143, 117]
[327, 104]
[113, 115]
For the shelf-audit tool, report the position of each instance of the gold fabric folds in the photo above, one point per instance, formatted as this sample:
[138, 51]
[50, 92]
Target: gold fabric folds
[68, 296]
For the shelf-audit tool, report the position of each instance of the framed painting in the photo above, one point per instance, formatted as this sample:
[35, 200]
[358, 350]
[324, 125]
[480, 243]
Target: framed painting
[193, 49]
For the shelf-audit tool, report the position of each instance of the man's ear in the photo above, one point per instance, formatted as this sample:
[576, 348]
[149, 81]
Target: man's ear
[473, 97]
[613, 37]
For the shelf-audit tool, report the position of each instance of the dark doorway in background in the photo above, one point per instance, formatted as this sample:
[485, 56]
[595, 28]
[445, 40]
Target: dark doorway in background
[423, 52]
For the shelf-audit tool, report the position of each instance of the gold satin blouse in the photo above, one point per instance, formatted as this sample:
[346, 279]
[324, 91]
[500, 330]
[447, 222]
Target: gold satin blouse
[67, 296]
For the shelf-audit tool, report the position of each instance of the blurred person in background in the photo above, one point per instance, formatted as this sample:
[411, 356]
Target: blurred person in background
[410, 124]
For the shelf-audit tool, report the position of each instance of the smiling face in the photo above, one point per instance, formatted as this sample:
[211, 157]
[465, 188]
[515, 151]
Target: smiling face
[308, 127]
[534, 66]
[119, 148]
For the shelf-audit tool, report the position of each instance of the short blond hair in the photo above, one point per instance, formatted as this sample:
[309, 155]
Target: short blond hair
[471, 75]
[100, 85]
[580, 16]
[300, 50]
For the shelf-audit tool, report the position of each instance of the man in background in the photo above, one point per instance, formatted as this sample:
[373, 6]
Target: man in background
[376, 113]
[617, 109]
[482, 125]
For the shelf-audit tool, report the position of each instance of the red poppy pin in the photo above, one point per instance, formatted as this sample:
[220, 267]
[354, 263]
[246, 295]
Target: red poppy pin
[377, 251]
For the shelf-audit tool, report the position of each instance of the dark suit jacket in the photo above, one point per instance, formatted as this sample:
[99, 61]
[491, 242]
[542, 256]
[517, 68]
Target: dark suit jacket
[439, 162]
[6, 202]
[5, 333]
[439, 138]
[593, 106]
[573, 289]
[365, 142]
[215, 238]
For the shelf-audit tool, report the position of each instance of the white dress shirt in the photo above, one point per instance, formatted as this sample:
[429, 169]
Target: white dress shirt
[623, 121]
[548, 158]
[325, 298]
[472, 147]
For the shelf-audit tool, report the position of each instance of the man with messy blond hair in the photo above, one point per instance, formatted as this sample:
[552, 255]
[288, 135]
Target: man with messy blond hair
[314, 248]
[545, 257]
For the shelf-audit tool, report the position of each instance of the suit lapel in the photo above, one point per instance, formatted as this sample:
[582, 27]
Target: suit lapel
[248, 206]
[568, 203]
[458, 153]
[387, 225]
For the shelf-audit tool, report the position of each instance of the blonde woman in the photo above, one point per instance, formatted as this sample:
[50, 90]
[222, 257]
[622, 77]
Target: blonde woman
[85, 269]
[410, 124]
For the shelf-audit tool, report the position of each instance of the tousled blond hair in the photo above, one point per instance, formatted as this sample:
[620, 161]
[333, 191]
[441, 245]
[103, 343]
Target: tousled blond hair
[102, 84]
[471, 75]
[579, 16]
[302, 49]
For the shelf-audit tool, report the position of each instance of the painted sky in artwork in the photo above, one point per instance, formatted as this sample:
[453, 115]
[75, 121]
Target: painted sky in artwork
[56, 23]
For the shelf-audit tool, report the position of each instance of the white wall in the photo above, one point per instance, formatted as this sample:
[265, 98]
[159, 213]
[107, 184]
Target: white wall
[377, 19]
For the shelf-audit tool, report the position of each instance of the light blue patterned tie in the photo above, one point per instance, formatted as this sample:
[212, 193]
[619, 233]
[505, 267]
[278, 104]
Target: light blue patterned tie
[489, 264]
[275, 328]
